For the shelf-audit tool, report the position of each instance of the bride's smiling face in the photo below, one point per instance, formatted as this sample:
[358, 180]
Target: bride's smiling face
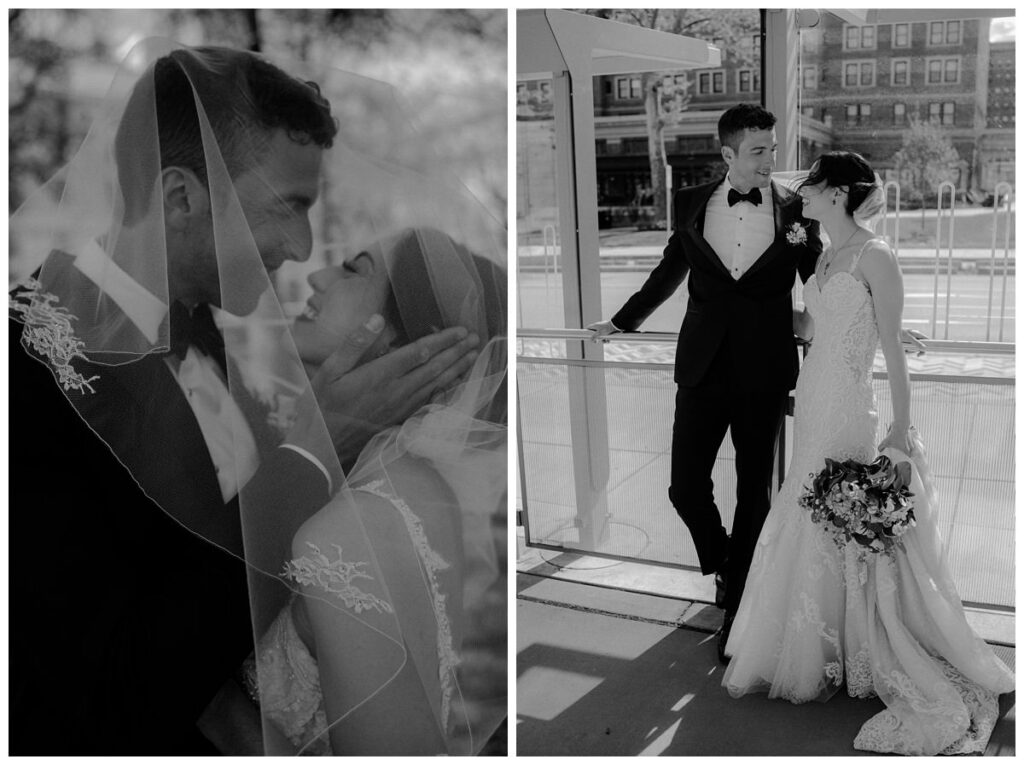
[344, 298]
[816, 199]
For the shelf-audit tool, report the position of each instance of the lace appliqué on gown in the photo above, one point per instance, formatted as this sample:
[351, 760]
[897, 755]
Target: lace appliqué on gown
[288, 682]
[431, 563]
[335, 577]
[814, 611]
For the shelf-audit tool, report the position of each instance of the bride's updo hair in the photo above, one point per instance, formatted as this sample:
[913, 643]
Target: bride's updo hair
[847, 170]
[437, 283]
[418, 305]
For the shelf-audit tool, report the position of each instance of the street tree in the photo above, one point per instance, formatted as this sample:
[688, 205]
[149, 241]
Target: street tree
[667, 94]
[926, 159]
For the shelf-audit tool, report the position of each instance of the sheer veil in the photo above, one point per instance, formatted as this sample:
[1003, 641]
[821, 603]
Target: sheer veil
[94, 273]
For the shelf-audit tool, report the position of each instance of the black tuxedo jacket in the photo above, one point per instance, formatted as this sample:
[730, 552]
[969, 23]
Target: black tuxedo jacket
[124, 618]
[751, 318]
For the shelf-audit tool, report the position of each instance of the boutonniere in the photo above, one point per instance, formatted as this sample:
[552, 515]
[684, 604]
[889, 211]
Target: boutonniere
[797, 234]
[48, 331]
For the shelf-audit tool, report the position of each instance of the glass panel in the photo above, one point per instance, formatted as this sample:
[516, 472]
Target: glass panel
[968, 429]
[633, 189]
[966, 88]
[538, 239]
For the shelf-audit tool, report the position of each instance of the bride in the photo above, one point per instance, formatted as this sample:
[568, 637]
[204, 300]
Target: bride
[816, 615]
[407, 659]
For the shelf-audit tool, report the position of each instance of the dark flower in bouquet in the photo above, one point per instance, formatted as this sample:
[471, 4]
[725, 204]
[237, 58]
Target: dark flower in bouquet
[869, 505]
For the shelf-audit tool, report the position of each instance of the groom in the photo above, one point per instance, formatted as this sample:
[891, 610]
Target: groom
[736, 358]
[125, 621]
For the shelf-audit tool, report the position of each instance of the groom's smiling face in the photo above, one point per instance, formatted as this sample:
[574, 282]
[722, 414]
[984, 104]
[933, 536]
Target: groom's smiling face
[275, 195]
[752, 161]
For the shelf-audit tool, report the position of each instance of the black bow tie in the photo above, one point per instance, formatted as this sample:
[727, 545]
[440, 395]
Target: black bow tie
[196, 329]
[753, 196]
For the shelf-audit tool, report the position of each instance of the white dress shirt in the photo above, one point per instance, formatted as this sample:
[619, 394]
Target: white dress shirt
[226, 433]
[740, 234]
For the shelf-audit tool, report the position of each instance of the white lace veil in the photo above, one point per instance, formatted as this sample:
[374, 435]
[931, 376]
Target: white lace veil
[93, 263]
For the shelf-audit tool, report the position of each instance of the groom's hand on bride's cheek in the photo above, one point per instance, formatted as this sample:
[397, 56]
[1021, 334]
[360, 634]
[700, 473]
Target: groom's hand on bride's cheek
[357, 403]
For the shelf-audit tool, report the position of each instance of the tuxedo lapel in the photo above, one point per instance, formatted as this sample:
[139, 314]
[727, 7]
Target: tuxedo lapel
[778, 213]
[693, 223]
[160, 442]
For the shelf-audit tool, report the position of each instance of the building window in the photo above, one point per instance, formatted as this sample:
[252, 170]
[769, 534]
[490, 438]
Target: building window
[750, 45]
[951, 70]
[808, 112]
[627, 88]
[809, 77]
[858, 114]
[859, 74]
[858, 38]
[748, 80]
[899, 114]
[901, 71]
[942, 113]
[522, 93]
[944, 33]
[943, 71]
[545, 91]
[711, 82]
[826, 117]
[901, 35]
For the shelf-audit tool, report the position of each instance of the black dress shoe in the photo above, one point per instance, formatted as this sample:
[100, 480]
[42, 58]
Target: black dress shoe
[723, 637]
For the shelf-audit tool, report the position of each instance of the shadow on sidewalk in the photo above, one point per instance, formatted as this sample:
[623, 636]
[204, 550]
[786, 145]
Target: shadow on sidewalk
[594, 684]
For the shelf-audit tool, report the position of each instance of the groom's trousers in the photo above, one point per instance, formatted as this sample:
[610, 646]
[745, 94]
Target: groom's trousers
[725, 400]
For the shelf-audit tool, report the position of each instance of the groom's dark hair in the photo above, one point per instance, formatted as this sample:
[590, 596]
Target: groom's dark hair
[243, 96]
[738, 119]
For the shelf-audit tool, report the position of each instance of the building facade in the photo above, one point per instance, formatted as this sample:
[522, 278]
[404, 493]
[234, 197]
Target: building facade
[859, 89]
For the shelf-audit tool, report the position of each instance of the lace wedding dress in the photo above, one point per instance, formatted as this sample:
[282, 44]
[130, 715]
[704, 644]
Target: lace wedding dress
[815, 616]
[289, 680]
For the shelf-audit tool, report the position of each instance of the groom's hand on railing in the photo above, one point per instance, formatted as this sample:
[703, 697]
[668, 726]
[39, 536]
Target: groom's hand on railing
[601, 330]
[912, 341]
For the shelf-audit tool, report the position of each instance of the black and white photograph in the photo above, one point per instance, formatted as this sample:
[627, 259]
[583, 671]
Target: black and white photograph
[258, 382]
[765, 353]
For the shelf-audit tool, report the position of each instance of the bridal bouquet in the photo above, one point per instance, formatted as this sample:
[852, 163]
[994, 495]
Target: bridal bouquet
[869, 505]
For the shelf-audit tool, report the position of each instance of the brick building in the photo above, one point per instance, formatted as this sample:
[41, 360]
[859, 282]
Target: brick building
[860, 85]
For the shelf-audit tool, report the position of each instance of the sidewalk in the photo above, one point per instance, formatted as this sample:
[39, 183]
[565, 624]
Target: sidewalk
[606, 671]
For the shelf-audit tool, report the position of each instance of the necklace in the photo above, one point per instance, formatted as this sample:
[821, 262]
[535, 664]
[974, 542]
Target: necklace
[836, 250]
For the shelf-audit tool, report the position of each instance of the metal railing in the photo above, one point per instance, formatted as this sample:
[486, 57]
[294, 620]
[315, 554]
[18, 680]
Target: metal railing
[945, 346]
[979, 487]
